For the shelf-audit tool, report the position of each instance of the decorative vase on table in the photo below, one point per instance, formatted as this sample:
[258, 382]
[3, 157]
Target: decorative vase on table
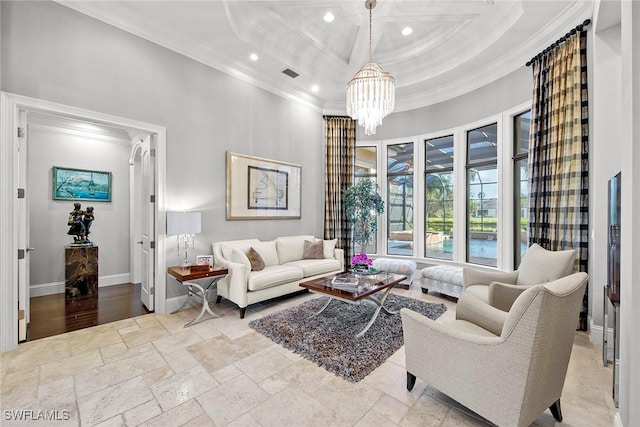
[361, 264]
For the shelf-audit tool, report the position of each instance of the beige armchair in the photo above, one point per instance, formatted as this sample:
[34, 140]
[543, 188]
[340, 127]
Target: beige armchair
[507, 367]
[537, 266]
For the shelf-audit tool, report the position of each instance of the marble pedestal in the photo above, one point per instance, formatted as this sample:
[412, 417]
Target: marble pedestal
[81, 271]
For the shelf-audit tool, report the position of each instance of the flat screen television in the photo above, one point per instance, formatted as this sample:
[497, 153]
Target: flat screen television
[613, 240]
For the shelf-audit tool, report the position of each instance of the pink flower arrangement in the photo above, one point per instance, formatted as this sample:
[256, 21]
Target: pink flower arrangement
[361, 259]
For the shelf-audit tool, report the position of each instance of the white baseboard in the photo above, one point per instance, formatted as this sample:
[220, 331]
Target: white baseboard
[595, 336]
[114, 279]
[43, 289]
[617, 421]
[176, 303]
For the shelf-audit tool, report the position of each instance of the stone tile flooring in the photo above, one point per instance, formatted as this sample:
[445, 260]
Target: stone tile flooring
[151, 371]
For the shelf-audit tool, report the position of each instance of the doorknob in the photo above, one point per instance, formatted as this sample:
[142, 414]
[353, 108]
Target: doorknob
[31, 249]
[140, 242]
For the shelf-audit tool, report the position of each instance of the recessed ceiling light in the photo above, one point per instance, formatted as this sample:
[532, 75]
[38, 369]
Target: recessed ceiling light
[328, 17]
[253, 57]
[315, 88]
[406, 31]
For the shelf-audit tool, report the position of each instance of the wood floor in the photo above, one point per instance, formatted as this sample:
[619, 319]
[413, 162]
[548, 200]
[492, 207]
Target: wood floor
[54, 315]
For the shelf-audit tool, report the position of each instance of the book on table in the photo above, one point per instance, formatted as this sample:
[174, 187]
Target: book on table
[344, 281]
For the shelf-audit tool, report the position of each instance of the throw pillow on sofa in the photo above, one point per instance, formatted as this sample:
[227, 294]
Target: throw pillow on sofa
[268, 252]
[257, 264]
[313, 250]
[329, 247]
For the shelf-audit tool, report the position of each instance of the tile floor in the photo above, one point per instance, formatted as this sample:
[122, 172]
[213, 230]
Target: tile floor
[151, 371]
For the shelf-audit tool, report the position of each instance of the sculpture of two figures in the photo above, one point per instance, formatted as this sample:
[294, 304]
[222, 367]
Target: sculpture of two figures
[80, 223]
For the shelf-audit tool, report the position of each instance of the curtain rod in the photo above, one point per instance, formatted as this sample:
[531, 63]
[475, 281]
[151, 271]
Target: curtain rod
[580, 27]
[328, 116]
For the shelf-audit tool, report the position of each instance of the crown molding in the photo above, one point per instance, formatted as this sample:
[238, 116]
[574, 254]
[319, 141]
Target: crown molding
[421, 94]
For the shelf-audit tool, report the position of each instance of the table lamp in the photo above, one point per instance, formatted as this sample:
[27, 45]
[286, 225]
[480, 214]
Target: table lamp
[184, 225]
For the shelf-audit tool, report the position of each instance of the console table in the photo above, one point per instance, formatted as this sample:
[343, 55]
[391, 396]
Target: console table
[185, 277]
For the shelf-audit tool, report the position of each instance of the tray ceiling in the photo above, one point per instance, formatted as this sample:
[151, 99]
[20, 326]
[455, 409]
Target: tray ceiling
[456, 45]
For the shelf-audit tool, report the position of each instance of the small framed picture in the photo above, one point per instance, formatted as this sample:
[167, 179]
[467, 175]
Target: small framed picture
[204, 260]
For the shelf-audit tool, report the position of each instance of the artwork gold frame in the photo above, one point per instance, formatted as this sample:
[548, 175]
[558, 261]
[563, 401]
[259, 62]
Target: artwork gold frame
[259, 188]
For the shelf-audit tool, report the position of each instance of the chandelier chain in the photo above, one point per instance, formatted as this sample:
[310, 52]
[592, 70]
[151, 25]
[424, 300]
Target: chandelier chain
[370, 31]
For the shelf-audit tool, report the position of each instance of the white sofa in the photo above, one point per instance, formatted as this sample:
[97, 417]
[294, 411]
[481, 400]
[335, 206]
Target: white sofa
[284, 268]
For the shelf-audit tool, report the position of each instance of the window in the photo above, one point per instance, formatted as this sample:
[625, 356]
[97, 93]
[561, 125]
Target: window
[399, 206]
[482, 195]
[438, 198]
[521, 126]
[470, 194]
[366, 162]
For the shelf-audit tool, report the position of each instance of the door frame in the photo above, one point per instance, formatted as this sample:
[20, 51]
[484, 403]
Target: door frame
[10, 107]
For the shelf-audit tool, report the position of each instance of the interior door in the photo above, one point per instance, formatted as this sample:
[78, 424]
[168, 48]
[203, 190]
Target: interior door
[23, 230]
[147, 226]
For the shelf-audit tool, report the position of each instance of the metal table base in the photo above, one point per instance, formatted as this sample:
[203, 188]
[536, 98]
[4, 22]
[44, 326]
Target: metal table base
[369, 299]
[200, 292]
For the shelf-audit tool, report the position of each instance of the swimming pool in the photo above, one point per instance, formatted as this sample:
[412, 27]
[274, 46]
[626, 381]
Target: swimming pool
[481, 251]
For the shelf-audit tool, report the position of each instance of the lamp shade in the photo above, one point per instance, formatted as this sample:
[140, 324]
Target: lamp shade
[184, 222]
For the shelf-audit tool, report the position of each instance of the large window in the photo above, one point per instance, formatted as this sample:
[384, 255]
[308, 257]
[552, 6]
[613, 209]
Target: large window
[521, 126]
[482, 195]
[399, 206]
[469, 199]
[366, 168]
[438, 198]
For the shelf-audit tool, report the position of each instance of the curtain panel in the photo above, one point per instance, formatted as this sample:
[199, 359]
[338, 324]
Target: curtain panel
[340, 134]
[559, 152]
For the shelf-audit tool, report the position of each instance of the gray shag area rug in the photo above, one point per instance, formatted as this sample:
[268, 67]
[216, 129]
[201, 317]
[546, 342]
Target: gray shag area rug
[329, 339]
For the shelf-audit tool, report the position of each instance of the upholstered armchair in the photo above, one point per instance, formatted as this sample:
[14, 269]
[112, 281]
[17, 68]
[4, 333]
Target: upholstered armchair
[507, 367]
[538, 266]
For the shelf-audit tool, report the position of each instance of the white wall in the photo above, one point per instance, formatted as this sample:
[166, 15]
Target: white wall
[494, 98]
[50, 146]
[53, 53]
[605, 155]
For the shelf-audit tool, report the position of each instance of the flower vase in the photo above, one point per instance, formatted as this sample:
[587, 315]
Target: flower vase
[361, 269]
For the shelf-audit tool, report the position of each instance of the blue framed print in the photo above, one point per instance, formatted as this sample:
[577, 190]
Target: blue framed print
[81, 184]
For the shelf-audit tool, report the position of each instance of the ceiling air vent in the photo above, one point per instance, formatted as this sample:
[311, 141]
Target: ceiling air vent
[290, 73]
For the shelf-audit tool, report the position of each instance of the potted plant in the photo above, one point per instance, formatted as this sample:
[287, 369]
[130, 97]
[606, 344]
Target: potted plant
[362, 206]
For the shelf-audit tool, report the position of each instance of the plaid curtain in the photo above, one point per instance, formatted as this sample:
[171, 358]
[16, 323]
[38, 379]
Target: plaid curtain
[340, 133]
[559, 152]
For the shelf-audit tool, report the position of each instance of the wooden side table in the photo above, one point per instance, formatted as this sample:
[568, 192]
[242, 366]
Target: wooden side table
[185, 277]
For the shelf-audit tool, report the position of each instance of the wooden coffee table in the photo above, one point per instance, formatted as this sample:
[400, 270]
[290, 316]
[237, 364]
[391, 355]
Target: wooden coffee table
[362, 292]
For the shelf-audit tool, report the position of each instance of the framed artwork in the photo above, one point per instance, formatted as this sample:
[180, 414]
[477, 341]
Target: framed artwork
[259, 188]
[204, 260]
[81, 184]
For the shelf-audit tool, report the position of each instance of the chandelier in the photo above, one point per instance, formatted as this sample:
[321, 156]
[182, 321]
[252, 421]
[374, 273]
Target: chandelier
[371, 92]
